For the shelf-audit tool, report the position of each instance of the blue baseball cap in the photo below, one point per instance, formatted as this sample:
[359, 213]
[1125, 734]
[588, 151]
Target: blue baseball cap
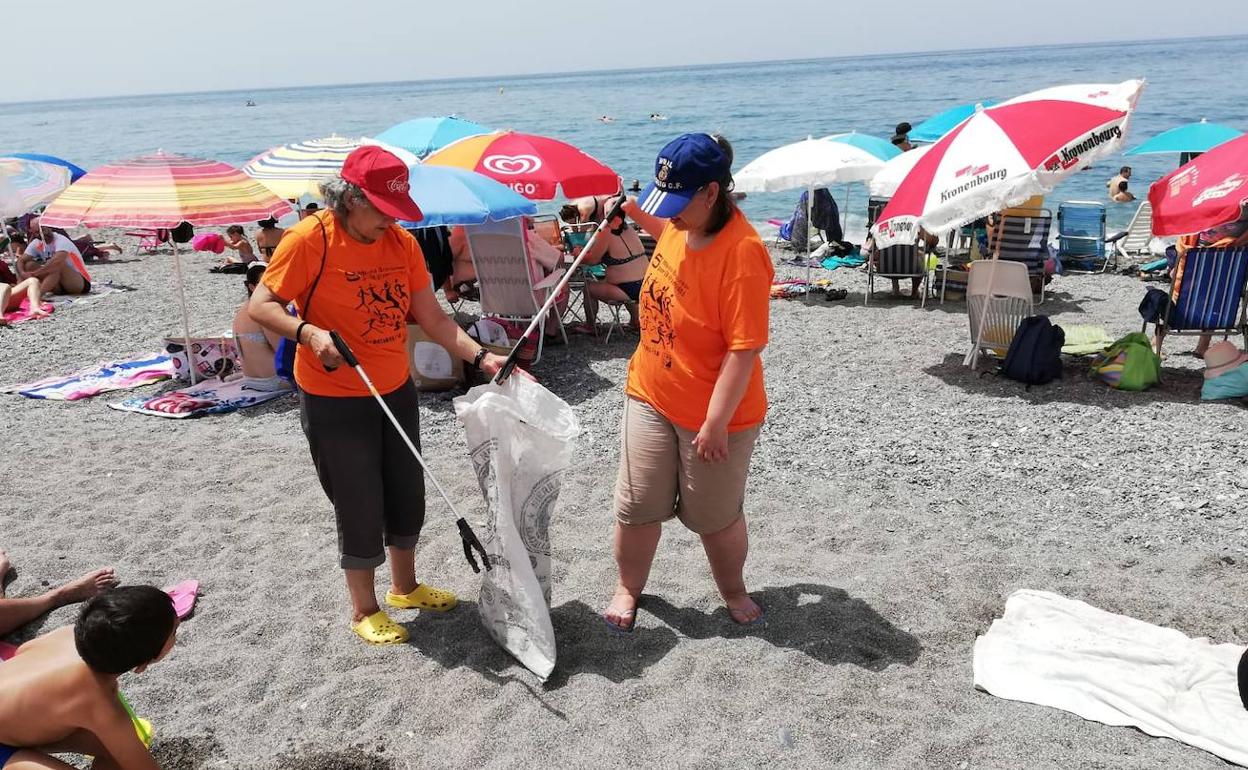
[686, 165]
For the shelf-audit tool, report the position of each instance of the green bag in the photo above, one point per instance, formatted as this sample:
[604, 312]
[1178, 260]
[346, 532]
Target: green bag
[1128, 364]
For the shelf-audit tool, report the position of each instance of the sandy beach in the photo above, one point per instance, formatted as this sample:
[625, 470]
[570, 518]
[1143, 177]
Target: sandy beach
[896, 499]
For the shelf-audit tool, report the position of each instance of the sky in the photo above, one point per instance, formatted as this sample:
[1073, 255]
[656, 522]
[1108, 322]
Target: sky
[126, 47]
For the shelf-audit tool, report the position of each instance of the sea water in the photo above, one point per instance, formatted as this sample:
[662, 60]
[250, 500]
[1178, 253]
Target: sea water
[757, 106]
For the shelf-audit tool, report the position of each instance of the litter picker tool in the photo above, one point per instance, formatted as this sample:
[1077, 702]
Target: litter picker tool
[469, 538]
[616, 210]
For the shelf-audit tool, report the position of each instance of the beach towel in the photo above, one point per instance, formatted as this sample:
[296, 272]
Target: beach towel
[1083, 339]
[1063, 653]
[207, 397]
[23, 313]
[100, 378]
[98, 291]
[520, 440]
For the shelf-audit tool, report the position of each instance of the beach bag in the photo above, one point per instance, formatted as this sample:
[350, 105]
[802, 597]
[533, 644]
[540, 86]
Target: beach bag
[211, 357]
[434, 368]
[1035, 353]
[1128, 364]
[520, 439]
[183, 233]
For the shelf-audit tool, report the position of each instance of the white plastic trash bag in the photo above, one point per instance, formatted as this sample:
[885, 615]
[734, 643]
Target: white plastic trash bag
[520, 438]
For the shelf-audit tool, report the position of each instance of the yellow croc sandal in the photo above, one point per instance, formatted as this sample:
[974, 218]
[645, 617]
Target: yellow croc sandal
[425, 597]
[378, 628]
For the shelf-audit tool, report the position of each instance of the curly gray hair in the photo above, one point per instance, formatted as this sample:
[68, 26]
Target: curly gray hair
[340, 195]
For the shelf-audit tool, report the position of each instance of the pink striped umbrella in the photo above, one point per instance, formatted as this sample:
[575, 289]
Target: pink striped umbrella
[1003, 155]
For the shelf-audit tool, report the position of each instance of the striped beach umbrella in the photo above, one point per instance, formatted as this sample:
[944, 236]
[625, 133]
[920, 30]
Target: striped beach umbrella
[534, 166]
[162, 190]
[297, 169]
[1003, 155]
[27, 184]
[75, 173]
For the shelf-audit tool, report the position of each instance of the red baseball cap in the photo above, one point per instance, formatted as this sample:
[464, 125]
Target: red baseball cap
[383, 178]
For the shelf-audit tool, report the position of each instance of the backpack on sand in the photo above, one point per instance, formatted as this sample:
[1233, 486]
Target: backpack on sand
[1035, 354]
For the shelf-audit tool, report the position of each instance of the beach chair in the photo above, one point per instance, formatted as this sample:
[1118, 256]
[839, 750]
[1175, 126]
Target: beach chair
[1138, 237]
[149, 240]
[1024, 235]
[1206, 295]
[902, 261]
[1001, 311]
[1081, 237]
[505, 274]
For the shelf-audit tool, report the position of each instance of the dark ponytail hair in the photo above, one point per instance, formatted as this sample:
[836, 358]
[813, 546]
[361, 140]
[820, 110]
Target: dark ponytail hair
[725, 206]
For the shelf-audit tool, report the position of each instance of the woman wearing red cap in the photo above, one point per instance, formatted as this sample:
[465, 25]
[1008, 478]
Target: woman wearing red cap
[695, 399]
[351, 269]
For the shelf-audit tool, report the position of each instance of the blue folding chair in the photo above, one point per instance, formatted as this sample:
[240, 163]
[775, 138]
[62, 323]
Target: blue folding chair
[1208, 295]
[1081, 237]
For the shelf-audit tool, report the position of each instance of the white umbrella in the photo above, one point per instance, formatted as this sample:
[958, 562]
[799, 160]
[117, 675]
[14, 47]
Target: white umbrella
[886, 182]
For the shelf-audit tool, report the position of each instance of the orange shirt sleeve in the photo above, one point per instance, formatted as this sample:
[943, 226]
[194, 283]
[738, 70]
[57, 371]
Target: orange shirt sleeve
[292, 267]
[745, 304]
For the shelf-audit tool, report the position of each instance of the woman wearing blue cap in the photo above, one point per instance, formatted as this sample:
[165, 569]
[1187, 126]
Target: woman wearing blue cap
[695, 398]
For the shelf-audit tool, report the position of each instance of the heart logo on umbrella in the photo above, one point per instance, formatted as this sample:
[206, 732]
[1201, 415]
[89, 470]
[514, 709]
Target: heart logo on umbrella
[511, 165]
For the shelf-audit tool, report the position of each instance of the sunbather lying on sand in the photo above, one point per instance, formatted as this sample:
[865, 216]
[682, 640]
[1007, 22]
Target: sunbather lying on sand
[15, 613]
[69, 678]
[11, 296]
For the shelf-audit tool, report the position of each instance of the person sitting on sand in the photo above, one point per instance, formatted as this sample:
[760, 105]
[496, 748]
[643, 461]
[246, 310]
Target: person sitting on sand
[1122, 195]
[15, 613]
[236, 240]
[56, 262]
[257, 346]
[28, 289]
[268, 238]
[695, 395]
[619, 250]
[69, 679]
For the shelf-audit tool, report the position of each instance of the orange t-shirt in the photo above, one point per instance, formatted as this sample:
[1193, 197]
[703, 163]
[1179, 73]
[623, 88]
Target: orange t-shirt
[695, 306]
[365, 293]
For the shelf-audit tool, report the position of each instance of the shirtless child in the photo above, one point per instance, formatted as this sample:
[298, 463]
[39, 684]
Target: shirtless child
[69, 679]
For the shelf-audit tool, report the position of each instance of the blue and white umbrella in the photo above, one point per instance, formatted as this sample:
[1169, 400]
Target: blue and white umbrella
[455, 196]
[932, 129]
[423, 136]
[75, 173]
[873, 145]
[27, 184]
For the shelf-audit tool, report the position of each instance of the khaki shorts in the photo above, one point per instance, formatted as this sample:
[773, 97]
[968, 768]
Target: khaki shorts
[661, 475]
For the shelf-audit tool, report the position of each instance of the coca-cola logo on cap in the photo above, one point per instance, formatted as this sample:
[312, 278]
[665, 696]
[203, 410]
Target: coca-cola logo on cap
[511, 165]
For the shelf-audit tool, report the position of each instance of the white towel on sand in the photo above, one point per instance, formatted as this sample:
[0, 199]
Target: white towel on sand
[1066, 654]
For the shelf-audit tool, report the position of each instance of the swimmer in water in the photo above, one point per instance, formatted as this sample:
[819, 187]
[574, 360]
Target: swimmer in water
[657, 116]
[606, 119]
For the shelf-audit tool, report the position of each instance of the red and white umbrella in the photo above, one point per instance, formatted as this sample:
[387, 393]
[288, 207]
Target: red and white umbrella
[1003, 155]
[1210, 191]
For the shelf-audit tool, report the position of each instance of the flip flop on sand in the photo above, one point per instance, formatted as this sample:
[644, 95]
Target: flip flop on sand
[184, 595]
[425, 597]
[378, 628]
[627, 628]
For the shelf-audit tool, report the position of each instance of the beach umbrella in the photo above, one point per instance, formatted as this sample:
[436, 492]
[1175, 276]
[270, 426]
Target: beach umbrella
[297, 169]
[1187, 140]
[806, 165]
[454, 196]
[932, 129]
[27, 184]
[75, 173]
[1209, 191]
[422, 136]
[1002, 155]
[885, 183]
[535, 166]
[160, 191]
[872, 145]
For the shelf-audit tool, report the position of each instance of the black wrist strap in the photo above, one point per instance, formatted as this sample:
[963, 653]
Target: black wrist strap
[299, 332]
[476, 361]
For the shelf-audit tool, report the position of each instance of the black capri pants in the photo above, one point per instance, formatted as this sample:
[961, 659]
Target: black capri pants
[376, 485]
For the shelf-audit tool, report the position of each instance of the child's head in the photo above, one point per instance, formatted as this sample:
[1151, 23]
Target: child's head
[235, 230]
[125, 629]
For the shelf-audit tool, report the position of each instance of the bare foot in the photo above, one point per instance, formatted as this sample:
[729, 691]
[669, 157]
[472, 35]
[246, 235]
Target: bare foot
[5, 564]
[622, 611]
[88, 585]
[743, 609]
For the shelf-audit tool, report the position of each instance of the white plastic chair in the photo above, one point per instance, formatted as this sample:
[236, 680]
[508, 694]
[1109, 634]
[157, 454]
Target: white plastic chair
[1138, 236]
[998, 298]
[505, 274]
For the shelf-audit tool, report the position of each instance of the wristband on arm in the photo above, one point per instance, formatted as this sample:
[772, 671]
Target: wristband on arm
[299, 332]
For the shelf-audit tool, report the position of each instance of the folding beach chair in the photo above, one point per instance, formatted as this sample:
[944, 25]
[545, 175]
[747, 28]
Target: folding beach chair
[901, 261]
[1136, 239]
[1024, 235]
[505, 274]
[1081, 237]
[149, 240]
[1207, 295]
[1001, 311]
